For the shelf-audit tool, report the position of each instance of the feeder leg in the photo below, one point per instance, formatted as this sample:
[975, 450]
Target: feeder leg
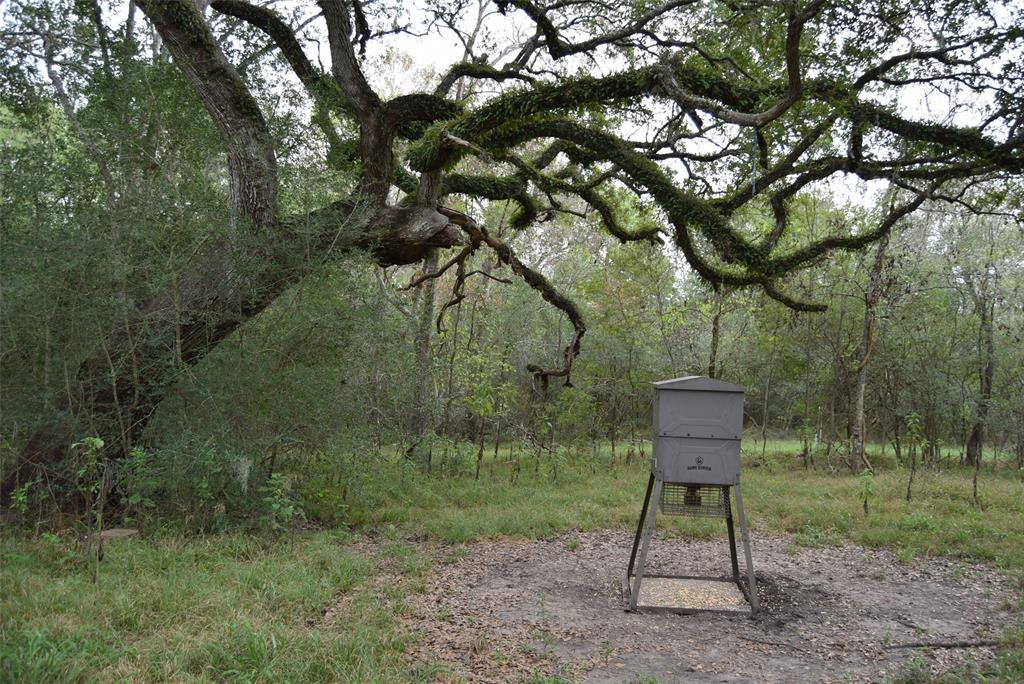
[745, 538]
[634, 594]
[639, 528]
[732, 538]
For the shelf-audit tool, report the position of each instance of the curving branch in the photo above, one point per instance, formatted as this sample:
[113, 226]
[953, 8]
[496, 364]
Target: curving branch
[772, 291]
[478, 234]
[803, 255]
[422, 277]
[478, 71]
[794, 87]
[553, 184]
[268, 21]
[558, 48]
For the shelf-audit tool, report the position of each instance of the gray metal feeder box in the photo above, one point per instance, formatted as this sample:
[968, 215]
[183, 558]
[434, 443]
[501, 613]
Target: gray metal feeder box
[698, 423]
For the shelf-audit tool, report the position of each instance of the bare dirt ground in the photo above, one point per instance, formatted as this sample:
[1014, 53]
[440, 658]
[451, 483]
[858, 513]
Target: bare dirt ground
[511, 610]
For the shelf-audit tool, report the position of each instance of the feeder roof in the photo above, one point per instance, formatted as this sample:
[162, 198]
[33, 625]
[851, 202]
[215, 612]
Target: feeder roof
[698, 383]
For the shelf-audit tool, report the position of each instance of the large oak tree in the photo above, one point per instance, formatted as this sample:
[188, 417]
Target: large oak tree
[711, 113]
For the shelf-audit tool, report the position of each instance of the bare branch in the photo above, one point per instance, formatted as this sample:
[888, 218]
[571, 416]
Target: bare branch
[420, 278]
[68, 108]
[558, 48]
[535, 280]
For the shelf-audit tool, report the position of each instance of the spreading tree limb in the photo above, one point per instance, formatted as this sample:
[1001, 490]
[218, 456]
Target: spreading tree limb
[479, 234]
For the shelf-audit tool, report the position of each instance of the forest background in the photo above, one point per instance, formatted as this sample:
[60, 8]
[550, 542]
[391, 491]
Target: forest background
[364, 397]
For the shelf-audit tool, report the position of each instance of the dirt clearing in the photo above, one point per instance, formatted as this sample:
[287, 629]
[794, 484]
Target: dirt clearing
[509, 610]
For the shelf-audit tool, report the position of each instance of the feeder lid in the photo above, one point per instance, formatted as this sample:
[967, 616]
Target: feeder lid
[697, 383]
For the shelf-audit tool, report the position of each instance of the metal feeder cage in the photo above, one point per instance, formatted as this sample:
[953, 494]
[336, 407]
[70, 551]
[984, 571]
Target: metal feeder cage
[695, 470]
[694, 501]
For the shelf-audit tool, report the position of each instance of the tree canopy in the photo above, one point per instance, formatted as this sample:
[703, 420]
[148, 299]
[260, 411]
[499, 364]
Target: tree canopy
[692, 123]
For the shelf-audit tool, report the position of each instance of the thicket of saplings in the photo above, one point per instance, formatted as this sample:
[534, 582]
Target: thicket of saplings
[200, 485]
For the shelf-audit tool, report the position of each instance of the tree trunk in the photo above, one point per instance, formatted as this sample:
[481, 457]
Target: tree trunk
[764, 408]
[716, 321]
[450, 390]
[613, 439]
[913, 469]
[767, 394]
[480, 447]
[974, 481]
[986, 344]
[896, 446]
[119, 387]
[858, 457]
[423, 380]
[810, 442]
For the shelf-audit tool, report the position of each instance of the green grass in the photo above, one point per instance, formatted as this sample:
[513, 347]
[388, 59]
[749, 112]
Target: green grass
[878, 454]
[220, 608]
[941, 518]
[248, 607]
[817, 506]
[462, 509]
